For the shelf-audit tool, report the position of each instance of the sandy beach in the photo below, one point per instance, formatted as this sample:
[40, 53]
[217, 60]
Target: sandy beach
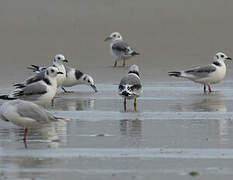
[176, 130]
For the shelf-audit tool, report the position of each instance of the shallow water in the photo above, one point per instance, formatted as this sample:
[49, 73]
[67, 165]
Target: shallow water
[176, 129]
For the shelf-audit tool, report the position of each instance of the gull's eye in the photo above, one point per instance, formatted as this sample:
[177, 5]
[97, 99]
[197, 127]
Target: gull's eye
[114, 35]
[84, 78]
[121, 87]
[118, 36]
[59, 58]
[222, 56]
[52, 71]
[88, 81]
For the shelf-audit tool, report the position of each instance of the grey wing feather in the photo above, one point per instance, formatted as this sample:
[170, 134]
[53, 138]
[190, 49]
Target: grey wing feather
[134, 84]
[201, 71]
[130, 79]
[120, 47]
[32, 91]
[37, 77]
[32, 111]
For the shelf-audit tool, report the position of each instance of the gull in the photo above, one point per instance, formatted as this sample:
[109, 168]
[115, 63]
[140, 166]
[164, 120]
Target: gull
[120, 49]
[40, 92]
[73, 77]
[130, 86]
[76, 77]
[25, 114]
[58, 62]
[206, 75]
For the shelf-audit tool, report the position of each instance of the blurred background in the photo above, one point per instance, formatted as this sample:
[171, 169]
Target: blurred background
[170, 35]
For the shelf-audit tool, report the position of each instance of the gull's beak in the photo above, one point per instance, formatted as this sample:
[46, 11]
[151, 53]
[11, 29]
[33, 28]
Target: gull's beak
[108, 38]
[94, 87]
[228, 58]
[65, 61]
[60, 72]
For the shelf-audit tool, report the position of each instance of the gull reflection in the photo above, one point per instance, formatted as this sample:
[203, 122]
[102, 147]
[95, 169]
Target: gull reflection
[129, 127]
[71, 104]
[51, 135]
[210, 103]
[214, 102]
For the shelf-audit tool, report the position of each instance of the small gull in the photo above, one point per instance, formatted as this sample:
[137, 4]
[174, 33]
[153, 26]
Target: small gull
[206, 75]
[120, 49]
[40, 92]
[76, 77]
[25, 114]
[58, 62]
[73, 77]
[130, 86]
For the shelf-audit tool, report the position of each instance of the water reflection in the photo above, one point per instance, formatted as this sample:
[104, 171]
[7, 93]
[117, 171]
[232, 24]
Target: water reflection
[72, 104]
[51, 135]
[214, 102]
[129, 127]
[224, 126]
[210, 103]
[16, 165]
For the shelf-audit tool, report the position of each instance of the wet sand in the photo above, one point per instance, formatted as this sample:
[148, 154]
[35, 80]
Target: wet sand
[176, 129]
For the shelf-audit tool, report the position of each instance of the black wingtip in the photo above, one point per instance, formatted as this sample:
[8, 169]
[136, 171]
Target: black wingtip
[135, 53]
[19, 85]
[34, 67]
[6, 97]
[174, 73]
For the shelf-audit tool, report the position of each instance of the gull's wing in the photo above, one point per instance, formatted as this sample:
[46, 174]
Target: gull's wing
[121, 47]
[32, 91]
[37, 77]
[202, 71]
[133, 82]
[32, 111]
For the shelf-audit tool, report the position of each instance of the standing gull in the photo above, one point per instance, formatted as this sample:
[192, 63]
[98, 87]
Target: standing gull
[76, 77]
[58, 62]
[206, 75]
[120, 49]
[130, 86]
[73, 77]
[25, 114]
[40, 92]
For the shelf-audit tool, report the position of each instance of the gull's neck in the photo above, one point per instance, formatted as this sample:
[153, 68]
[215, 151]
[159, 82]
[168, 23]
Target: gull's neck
[60, 67]
[116, 40]
[136, 73]
[50, 81]
[219, 63]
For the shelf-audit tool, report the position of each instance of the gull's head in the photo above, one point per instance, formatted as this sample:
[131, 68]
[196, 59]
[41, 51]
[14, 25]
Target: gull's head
[134, 69]
[88, 80]
[221, 57]
[60, 59]
[52, 72]
[114, 37]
